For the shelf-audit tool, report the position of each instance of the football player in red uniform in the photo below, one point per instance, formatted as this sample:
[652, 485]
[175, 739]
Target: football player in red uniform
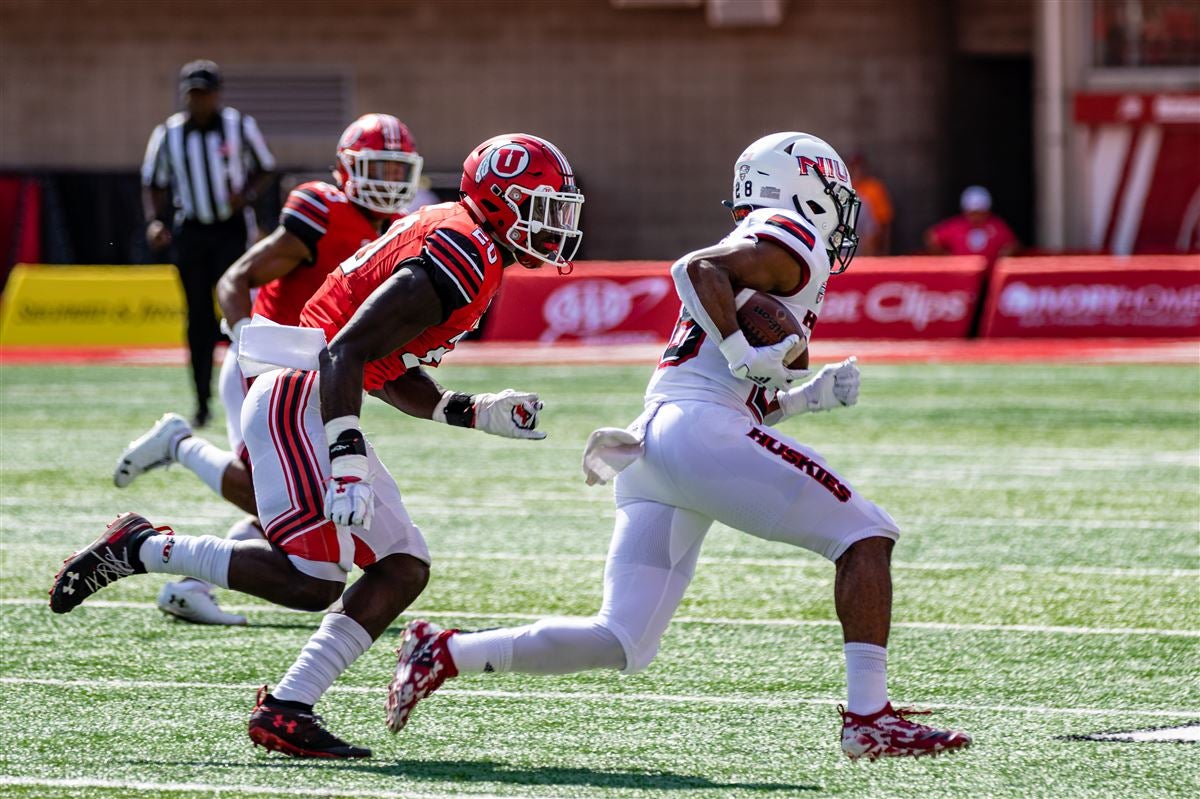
[376, 173]
[326, 501]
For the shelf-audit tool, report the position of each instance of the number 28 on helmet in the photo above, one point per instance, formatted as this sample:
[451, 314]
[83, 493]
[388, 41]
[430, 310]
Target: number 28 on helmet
[804, 174]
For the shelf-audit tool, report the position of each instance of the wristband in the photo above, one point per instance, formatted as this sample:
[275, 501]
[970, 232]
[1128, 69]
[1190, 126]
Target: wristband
[455, 409]
[735, 347]
[793, 402]
[344, 437]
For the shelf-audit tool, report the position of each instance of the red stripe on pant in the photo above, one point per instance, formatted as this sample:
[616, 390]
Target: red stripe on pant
[301, 468]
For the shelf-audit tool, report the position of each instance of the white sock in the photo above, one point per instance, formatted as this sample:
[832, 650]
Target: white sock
[475, 653]
[207, 460]
[204, 557]
[336, 644]
[246, 529]
[551, 646]
[866, 678]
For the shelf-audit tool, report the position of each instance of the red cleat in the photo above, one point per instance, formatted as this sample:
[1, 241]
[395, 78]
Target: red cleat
[424, 664]
[296, 732]
[109, 558]
[888, 733]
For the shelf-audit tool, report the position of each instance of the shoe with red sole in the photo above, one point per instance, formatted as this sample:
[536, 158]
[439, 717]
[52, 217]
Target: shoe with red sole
[424, 664]
[107, 559]
[295, 732]
[889, 733]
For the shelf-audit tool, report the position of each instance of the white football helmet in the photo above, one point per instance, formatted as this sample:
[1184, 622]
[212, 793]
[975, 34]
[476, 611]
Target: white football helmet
[801, 173]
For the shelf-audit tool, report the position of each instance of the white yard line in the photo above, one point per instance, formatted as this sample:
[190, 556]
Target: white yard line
[603, 696]
[157, 788]
[720, 621]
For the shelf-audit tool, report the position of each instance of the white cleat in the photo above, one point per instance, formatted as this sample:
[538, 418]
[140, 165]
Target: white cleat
[192, 601]
[154, 449]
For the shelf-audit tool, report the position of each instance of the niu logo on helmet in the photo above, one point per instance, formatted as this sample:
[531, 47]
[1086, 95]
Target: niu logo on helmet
[828, 167]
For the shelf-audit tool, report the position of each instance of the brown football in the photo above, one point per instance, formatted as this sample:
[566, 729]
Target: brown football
[765, 321]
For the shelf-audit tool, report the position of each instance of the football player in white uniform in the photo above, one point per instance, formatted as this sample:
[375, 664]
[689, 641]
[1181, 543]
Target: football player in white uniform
[704, 450]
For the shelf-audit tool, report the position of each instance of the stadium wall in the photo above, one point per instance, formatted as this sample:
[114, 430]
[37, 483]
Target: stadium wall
[652, 106]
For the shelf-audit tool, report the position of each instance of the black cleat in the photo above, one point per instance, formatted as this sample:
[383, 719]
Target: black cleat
[295, 732]
[107, 559]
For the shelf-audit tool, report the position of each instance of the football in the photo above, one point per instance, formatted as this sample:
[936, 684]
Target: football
[765, 321]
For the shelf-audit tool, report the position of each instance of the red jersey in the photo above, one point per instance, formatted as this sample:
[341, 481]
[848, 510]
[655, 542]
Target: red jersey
[461, 260]
[958, 235]
[324, 218]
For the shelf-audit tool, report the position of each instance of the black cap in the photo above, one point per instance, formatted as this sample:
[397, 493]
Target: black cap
[203, 75]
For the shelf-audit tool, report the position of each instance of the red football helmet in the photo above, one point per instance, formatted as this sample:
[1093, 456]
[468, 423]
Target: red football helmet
[377, 163]
[522, 187]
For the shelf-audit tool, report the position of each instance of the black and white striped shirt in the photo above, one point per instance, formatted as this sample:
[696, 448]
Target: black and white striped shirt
[204, 168]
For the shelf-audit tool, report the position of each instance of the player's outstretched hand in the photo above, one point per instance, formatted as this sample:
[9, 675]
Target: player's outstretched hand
[349, 502]
[511, 413]
[846, 377]
[835, 386]
[349, 499]
[762, 365]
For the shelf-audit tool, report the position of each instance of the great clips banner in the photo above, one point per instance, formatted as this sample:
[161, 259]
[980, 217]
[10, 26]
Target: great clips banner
[635, 301]
[903, 297]
[1094, 296]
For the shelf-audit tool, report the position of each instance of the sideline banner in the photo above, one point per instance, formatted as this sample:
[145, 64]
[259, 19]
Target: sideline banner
[917, 297]
[600, 302]
[621, 302]
[1093, 296]
[47, 306]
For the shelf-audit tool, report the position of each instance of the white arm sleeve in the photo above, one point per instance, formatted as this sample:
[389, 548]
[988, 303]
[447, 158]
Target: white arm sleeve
[691, 300]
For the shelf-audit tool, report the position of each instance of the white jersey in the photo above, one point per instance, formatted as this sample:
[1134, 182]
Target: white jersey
[693, 368]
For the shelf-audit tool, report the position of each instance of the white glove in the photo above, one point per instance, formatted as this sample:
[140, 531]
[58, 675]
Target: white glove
[836, 385]
[512, 414]
[349, 499]
[761, 365]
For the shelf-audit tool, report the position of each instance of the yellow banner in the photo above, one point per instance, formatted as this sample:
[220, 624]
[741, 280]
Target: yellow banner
[59, 306]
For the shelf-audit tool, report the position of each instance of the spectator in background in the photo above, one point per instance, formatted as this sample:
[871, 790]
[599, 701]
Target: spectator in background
[875, 239]
[203, 168]
[976, 231]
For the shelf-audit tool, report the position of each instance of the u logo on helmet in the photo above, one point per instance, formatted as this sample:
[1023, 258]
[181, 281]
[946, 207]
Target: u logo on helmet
[350, 135]
[508, 160]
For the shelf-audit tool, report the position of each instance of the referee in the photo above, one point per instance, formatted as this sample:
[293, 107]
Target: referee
[203, 169]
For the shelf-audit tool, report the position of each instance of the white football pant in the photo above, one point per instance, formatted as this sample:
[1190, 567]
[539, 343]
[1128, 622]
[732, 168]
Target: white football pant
[705, 462]
[285, 436]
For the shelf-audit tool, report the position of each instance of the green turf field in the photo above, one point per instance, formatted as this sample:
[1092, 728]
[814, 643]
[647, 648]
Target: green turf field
[1047, 586]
